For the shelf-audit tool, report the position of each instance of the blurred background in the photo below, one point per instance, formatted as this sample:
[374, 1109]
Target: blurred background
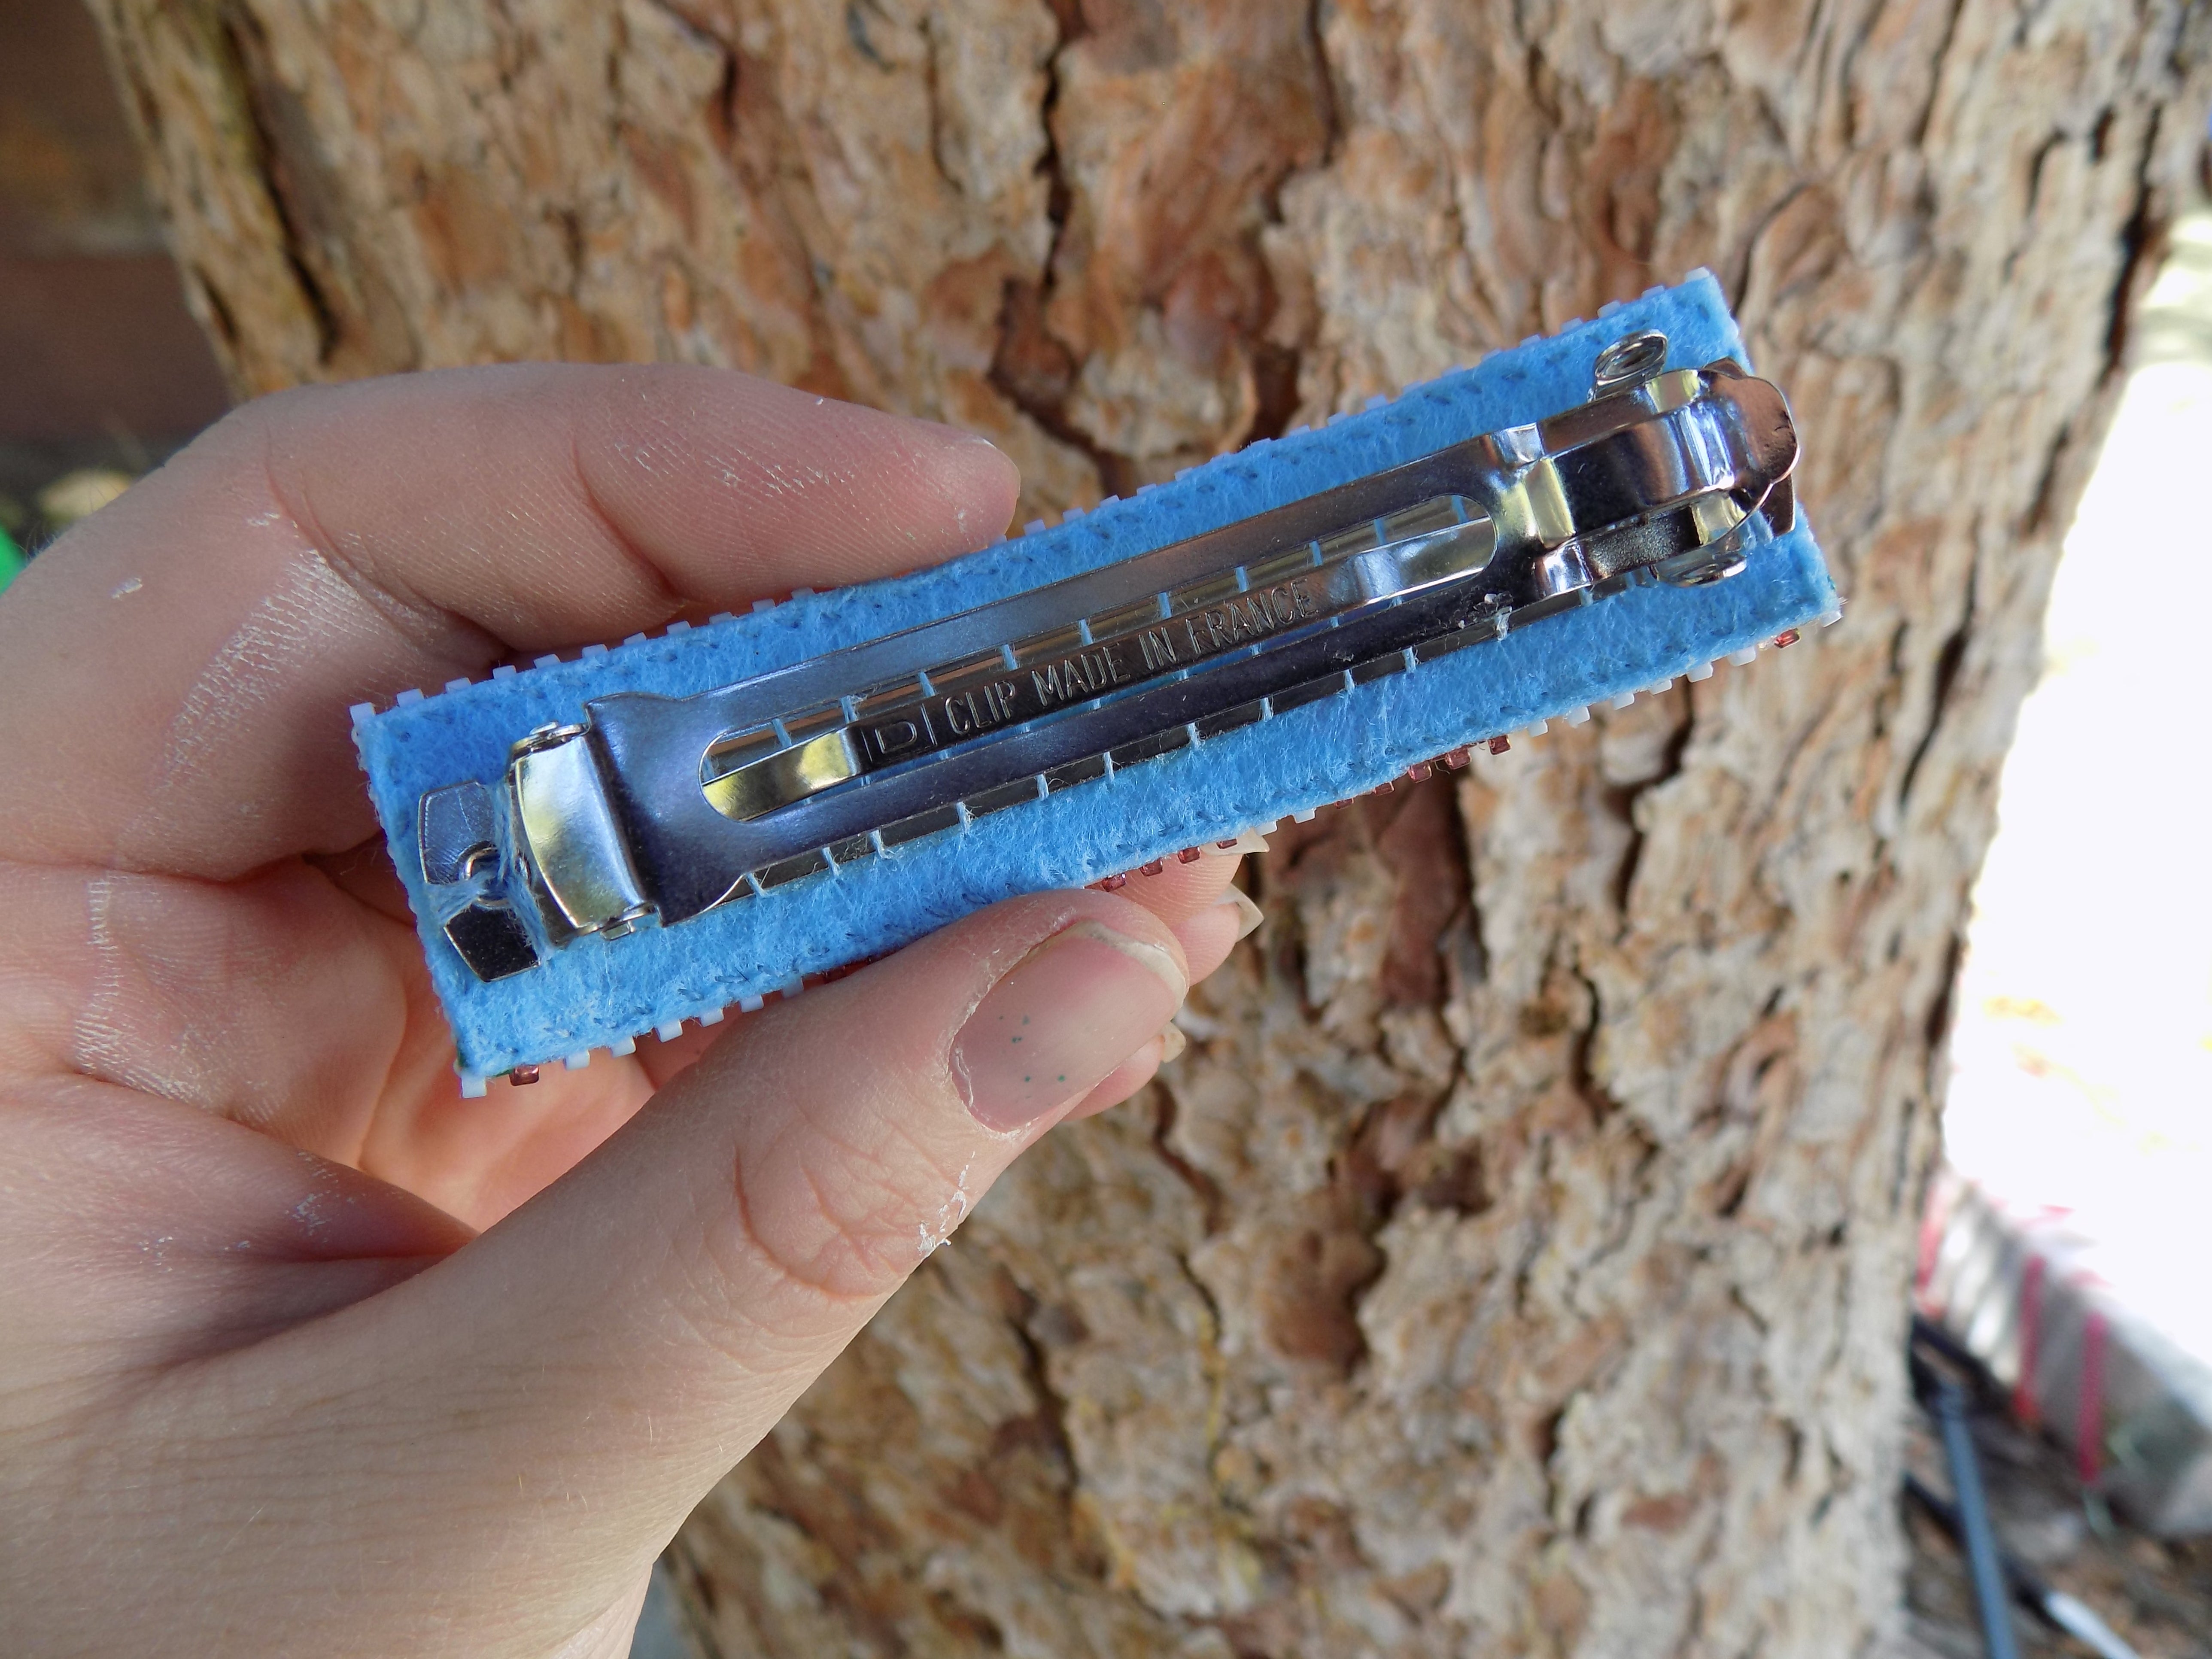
[2063, 1263]
[102, 371]
[2067, 1239]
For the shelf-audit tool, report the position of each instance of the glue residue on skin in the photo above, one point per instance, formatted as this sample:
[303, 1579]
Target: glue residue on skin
[109, 1039]
[314, 613]
[950, 1215]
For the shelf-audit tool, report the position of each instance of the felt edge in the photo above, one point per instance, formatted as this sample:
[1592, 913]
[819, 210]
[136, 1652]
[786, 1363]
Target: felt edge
[485, 1052]
[1657, 677]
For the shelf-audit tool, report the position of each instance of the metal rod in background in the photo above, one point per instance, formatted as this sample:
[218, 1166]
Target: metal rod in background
[2063, 1612]
[1983, 1566]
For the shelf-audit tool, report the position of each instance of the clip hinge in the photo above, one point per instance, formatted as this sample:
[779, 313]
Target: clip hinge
[574, 853]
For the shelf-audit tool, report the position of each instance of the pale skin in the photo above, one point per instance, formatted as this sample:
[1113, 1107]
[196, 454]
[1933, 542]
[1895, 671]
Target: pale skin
[300, 1352]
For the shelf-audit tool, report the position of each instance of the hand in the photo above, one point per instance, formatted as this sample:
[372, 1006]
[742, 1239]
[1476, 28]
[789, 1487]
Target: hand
[299, 1351]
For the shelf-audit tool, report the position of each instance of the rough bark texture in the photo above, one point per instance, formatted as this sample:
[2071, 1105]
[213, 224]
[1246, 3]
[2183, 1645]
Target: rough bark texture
[1516, 1261]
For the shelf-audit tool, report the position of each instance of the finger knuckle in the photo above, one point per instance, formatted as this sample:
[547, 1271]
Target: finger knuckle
[834, 1218]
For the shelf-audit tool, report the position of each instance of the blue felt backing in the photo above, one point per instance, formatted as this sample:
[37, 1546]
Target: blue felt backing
[599, 994]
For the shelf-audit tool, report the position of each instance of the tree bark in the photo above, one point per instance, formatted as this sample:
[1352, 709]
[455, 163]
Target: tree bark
[1517, 1261]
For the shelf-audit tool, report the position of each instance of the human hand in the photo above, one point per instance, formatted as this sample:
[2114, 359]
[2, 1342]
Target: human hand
[302, 1353]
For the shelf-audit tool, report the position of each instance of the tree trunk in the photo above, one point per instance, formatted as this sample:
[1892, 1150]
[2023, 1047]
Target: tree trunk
[1516, 1262]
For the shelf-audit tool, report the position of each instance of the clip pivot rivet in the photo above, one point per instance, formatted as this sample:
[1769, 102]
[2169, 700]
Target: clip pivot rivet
[1636, 357]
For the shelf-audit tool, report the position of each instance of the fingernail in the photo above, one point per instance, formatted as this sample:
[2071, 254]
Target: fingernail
[1249, 915]
[1172, 1043]
[1068, 1013]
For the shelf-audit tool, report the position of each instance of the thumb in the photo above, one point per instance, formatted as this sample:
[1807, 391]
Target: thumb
[588, 1369]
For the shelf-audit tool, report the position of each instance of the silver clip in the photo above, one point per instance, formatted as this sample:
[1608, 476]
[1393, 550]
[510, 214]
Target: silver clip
[657, 809]
[457, 845]
[1634, 357]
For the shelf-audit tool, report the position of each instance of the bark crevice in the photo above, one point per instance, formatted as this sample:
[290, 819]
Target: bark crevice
[239, 54]
[1944, 679]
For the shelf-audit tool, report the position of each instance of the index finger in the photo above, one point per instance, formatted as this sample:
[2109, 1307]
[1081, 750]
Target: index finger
[174, 674]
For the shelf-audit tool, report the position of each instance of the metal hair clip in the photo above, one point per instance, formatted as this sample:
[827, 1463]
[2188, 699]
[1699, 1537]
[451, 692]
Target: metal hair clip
[655, 809]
